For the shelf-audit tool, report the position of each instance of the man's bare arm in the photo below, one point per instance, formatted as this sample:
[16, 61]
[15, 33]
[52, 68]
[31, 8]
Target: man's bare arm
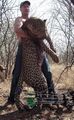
[18, 30]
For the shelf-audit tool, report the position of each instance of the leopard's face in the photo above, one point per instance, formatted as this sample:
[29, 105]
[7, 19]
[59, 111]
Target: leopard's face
[35, 28]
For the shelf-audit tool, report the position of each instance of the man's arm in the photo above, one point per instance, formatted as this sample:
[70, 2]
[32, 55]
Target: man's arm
[17, 28]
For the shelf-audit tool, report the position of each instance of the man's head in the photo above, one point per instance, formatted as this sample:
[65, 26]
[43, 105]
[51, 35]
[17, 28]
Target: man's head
[24, 7]
[25, 3]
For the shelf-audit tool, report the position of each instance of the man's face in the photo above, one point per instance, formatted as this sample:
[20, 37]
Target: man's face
[25, 9]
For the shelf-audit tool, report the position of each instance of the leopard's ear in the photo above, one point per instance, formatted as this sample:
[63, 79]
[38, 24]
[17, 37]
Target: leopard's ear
[45, 21]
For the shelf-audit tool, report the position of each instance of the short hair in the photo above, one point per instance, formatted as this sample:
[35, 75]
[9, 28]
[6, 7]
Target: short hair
[25, 2]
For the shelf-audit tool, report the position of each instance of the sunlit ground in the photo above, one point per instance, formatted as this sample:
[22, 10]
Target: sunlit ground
[66, 80]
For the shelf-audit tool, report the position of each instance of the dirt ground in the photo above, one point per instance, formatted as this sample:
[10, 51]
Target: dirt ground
[47, 113]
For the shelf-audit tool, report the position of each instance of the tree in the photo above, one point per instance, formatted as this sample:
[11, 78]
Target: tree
[63, 29]
[7, 37]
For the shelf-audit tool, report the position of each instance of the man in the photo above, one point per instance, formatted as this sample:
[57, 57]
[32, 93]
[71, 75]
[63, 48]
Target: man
[24, 8]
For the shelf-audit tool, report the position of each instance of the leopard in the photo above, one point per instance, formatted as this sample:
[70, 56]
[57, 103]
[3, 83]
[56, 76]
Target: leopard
[33, 49]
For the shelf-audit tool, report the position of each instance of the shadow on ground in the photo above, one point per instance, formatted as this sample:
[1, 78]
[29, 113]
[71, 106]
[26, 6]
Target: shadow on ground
[16, 115]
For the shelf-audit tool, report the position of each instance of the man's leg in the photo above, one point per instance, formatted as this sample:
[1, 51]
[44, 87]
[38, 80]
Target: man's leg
[48, 75]
[16, 74]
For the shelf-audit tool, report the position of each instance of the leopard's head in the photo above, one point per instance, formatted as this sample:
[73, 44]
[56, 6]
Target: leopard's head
[35, 28]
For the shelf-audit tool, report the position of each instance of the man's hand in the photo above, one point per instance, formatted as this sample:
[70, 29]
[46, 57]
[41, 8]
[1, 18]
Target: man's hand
[17, 28]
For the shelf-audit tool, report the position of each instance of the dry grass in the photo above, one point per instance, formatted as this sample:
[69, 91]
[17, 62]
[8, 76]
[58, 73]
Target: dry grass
[66, 80]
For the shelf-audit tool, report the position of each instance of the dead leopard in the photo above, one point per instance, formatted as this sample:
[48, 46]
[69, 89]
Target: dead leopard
[33, 49]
